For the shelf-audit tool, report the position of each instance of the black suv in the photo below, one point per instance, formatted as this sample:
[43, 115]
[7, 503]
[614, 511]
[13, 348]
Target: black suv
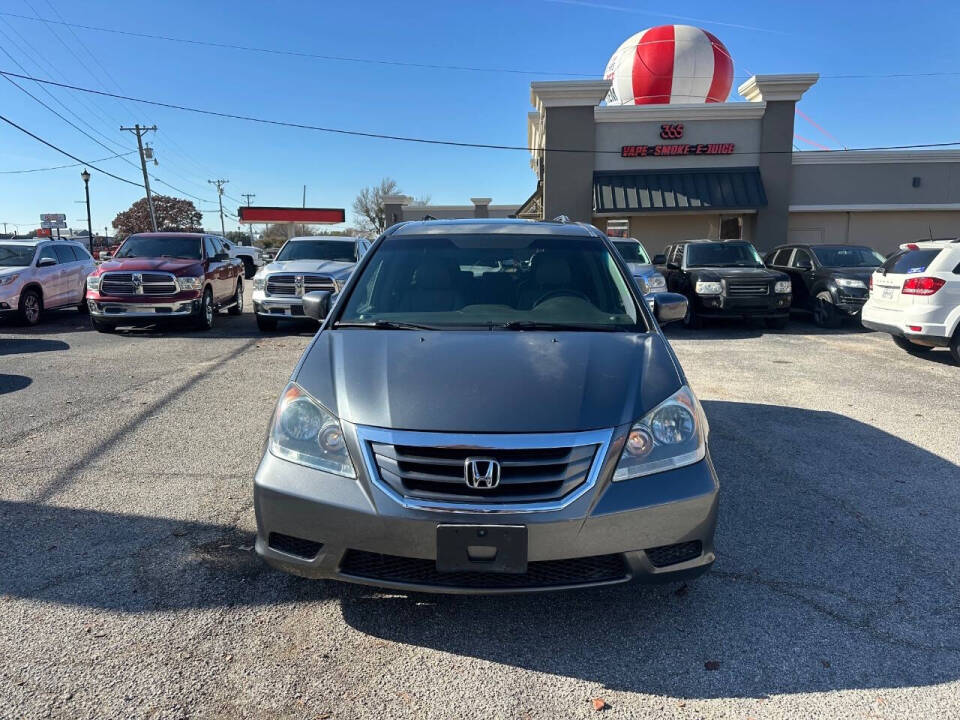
[726, 279]
[830, 281]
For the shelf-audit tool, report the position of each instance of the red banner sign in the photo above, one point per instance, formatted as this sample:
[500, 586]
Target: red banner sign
[292, 215]
[669, 150]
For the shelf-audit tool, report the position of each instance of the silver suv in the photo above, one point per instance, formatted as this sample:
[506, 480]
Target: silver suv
[489, 406]
[39, 274]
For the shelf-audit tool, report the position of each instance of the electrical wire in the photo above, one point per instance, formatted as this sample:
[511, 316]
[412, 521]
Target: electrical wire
[61, 167]
[426, 141]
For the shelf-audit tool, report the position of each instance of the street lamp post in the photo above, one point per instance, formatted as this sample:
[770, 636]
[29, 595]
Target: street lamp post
[86, 186]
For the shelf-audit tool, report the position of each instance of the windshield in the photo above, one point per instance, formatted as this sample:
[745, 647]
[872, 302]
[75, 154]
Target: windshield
[722, 254]
[632, 252]
[848, 257]
[517, 282]
[318, 250]
[151, 246]
[16, 255]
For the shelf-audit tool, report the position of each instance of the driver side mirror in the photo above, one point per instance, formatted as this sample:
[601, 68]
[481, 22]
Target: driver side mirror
[316, 304]
[804, 265]
[660, 259]
[669, 307]
[672, 266]
[46, 262]
[221, 257]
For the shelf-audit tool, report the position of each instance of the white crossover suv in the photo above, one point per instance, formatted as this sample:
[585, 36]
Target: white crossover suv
[915, 296]
[39, 274]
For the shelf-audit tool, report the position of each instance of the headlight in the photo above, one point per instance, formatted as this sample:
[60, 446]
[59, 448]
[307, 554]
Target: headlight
[189, 283]
[7, 279]
[708, 288]
[783, 287]
[304, 432]
[259, 282]
[93, 282]
[848, 283]
[656, 282]
[671, 435]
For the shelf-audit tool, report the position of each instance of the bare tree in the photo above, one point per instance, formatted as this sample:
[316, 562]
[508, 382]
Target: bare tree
[421, 200]
[368, 207]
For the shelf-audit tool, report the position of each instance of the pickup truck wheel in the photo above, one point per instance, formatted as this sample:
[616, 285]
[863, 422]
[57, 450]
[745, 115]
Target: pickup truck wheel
[204, 317]
[31, 304]
[266, 324]
[249, 269]
[824, 313]
[912, 347]
[692, 320]
[103, 327]
[237, 299]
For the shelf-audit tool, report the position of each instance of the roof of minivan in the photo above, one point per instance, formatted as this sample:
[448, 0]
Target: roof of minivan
[508, 226]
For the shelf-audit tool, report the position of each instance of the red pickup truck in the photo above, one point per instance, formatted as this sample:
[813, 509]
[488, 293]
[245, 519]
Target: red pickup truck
[155, 276]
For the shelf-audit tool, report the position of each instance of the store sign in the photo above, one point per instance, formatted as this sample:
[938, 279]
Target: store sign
[630, 151]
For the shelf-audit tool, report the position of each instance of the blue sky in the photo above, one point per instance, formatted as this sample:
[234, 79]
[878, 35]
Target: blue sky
[544, 36]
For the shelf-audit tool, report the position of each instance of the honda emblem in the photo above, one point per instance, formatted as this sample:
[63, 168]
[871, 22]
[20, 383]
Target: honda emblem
[481, 473]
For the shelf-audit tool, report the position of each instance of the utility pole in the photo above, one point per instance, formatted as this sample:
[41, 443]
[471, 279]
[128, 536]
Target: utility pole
[220, 184]
[248, 197]
[304, 196]
[139, 131]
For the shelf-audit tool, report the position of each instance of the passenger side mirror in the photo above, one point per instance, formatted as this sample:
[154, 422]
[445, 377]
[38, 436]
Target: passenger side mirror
[104, 255]
[316, 304]
[804, 265]
[221, 257]
[672, 266]
[659, 259]
[669, 307]
[46, 262]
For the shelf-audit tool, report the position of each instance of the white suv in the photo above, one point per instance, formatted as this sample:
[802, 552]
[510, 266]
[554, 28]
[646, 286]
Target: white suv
[39, 274]
[915, 296]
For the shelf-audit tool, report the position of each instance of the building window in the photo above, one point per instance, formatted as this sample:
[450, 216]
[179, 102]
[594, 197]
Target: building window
[731, 227]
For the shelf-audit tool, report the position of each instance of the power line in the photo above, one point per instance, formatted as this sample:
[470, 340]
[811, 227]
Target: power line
[421, 140]
[61, 167]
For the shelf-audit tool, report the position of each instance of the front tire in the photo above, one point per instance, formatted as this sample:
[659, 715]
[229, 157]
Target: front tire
[31, 305]
[266, 324]
[825, 315]
[911, 347]
[249, 269]
[692, 320]
[204, 318]
[237, 308]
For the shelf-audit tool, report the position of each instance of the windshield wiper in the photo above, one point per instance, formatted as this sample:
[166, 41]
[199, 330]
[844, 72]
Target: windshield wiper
[539, 325]
[385, 325]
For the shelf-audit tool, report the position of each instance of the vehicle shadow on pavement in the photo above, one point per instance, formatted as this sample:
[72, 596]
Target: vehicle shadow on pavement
[15, 346]
[735, 329]
[834, 572]
[13, 383]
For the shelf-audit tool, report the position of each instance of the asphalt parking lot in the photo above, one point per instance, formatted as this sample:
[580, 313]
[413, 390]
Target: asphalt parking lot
[128, 586]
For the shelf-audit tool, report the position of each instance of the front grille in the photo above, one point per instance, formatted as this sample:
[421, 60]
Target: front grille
[744, 288]
[149, 284]
[673, 554]
[543, 573]
[306, 549]
[526, 475]
[295, 285]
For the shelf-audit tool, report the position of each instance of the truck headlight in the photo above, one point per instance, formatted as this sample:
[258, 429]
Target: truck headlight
[671, 435]
[656, 282]
[304, 432]
[189, 283]
[8, 279]
[259, 282]
[782, 287]
[850, 283]
[93, 282]
[708, 288]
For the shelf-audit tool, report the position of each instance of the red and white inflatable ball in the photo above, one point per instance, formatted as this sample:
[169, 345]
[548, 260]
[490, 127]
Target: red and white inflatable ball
[670, 64]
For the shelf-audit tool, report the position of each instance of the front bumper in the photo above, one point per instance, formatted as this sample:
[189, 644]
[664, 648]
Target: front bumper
[929, 318]
[766, 306]
[347, 528]
[126, 307]
[9, 303]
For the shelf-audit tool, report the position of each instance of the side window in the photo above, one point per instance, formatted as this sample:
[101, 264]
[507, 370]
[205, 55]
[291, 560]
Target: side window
[781, 258]
[226, 245]
[47, 253]
[81, 252]
[209, 247]
[801, 258]
[64, 254]
[678, 255]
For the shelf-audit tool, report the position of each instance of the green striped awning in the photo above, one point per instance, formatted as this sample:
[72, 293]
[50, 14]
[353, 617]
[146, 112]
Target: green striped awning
[672, 190]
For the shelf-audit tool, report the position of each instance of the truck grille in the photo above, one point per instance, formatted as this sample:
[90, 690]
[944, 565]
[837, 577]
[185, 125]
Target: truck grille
[148, 283]
[431, 467]
[295, 285]
[747, 289]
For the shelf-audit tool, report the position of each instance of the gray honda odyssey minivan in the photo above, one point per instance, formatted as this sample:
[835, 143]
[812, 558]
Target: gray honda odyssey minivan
[489, 406]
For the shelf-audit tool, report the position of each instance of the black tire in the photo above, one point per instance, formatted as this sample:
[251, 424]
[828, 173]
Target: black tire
[266, 324]
[777, 323]
[911, 347]
[237, 299]
[31, 305]
[249, 269]
[103, 327]
[955, 346]
[203, 320]
[825, 314]
[692, 320]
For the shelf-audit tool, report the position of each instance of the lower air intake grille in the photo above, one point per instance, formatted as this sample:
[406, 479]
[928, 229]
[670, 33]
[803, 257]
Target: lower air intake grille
[545, 573]
[673, 554]
[294, 546]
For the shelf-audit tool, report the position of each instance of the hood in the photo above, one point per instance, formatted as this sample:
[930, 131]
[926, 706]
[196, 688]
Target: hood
[9, 269]
[709, 273]
[642, 269]
[170, 265]
[476, 381]
[856, 273]
[333, 268]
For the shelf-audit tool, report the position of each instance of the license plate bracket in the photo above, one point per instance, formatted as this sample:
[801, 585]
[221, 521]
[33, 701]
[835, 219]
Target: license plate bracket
[482, 548]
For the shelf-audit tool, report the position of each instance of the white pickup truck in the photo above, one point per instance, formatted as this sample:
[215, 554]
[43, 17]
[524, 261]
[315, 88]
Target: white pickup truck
[251, 257]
